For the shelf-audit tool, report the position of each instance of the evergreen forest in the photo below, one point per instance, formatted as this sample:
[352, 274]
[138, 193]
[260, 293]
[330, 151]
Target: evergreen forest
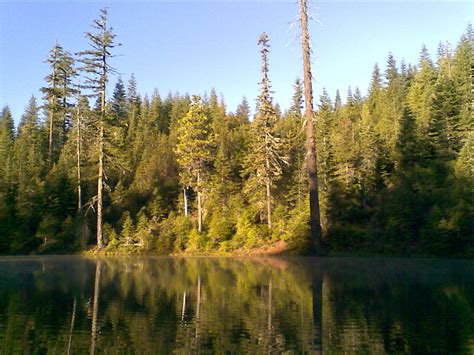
[175, 173]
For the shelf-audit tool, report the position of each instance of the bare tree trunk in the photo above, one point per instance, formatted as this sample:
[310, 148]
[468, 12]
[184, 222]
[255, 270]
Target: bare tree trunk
[71, 330]
[51, 117]
[64, 110]
[326, 320]
[268, 187]
[310, 146]
[317, 286]
[199, 203]
[78, 158]
[270, 321]
[50, 137]
[184, 306]
[100, 182]
[100, 187]
[95, 306]
[185, 196]
[198, 306]
[198, 310]
[269, 205]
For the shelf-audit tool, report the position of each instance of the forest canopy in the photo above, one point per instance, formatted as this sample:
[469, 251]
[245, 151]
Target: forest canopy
[182, 173]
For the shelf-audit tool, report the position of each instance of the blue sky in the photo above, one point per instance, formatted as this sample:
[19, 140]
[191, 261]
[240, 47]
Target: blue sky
[194, 46]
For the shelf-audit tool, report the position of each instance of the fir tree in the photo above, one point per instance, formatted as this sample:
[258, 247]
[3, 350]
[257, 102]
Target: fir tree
[326, 163]
[193, 151]
[264, 162]
[421, 92]
[7, 139]
[311, 156]
[97, 68]
[119, 101]
[57, 93]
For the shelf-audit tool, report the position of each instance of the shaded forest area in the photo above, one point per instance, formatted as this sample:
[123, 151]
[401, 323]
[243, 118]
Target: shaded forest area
[181, 173]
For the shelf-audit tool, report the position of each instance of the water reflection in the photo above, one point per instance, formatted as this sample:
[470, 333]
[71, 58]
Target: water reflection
[206, 305]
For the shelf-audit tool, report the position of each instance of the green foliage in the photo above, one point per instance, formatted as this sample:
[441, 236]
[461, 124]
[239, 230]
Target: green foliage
[248, 233]
[173, 234]
[395, 168]
[127, 235]
[221, 228]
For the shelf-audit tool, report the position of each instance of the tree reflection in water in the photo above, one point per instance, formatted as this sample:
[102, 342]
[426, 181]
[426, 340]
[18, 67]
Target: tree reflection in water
[205, 305]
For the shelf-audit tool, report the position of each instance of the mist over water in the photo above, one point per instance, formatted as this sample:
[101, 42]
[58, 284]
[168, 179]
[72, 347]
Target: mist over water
[208, 305]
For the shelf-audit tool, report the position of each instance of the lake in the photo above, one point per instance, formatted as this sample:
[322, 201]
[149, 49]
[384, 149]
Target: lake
[149, 305]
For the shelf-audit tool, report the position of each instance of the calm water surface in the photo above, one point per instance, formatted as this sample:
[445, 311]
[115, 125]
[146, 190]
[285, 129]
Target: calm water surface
[147, 305]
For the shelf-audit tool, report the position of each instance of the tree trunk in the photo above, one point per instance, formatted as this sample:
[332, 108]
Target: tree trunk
[100, 187]
[183, 311]
[198, 310]
[78, 158]
[310, 146]
[269, 205]
[95, 306]
[268, 188]
[270, 320]
[64, 111]
[199, 203]
[51, 118]
[100, 182]
[185, 196]
[71, 329]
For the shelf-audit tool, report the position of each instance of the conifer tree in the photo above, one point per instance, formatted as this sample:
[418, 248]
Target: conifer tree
[421, 91]
[193, 151]
[291, 128]
[119, 101]
[7, 139]
[326, 163]
[264, 161]
[128, 230]
[97, 68]
[463, 62]
[296, 107]
[311, 156]
[7, 190]
[337, 100]
[29, 157]
[57, 93]
[242, 112]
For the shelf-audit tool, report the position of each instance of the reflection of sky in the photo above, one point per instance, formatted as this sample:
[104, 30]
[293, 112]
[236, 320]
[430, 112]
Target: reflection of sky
[196, 45]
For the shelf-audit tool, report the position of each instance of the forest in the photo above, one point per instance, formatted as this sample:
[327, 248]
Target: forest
[180, 173]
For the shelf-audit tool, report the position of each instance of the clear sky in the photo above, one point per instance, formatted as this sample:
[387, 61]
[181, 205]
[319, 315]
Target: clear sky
[194, 46]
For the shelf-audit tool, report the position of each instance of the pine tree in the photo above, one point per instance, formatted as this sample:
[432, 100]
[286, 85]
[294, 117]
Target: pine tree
[264, 161]
[291, 128]
[296, 107]
[311, 156]
[421, 92]
[392, 102]
[57, 95]
[119, 101]
[243, 112]
[7, 190]
[370, 151]
[97, 69]
[408, 152]
[193, 151]
[29, 158]
[463, 62]
[326, 163]
[445, 128]
[7, 139]
[128, 230]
